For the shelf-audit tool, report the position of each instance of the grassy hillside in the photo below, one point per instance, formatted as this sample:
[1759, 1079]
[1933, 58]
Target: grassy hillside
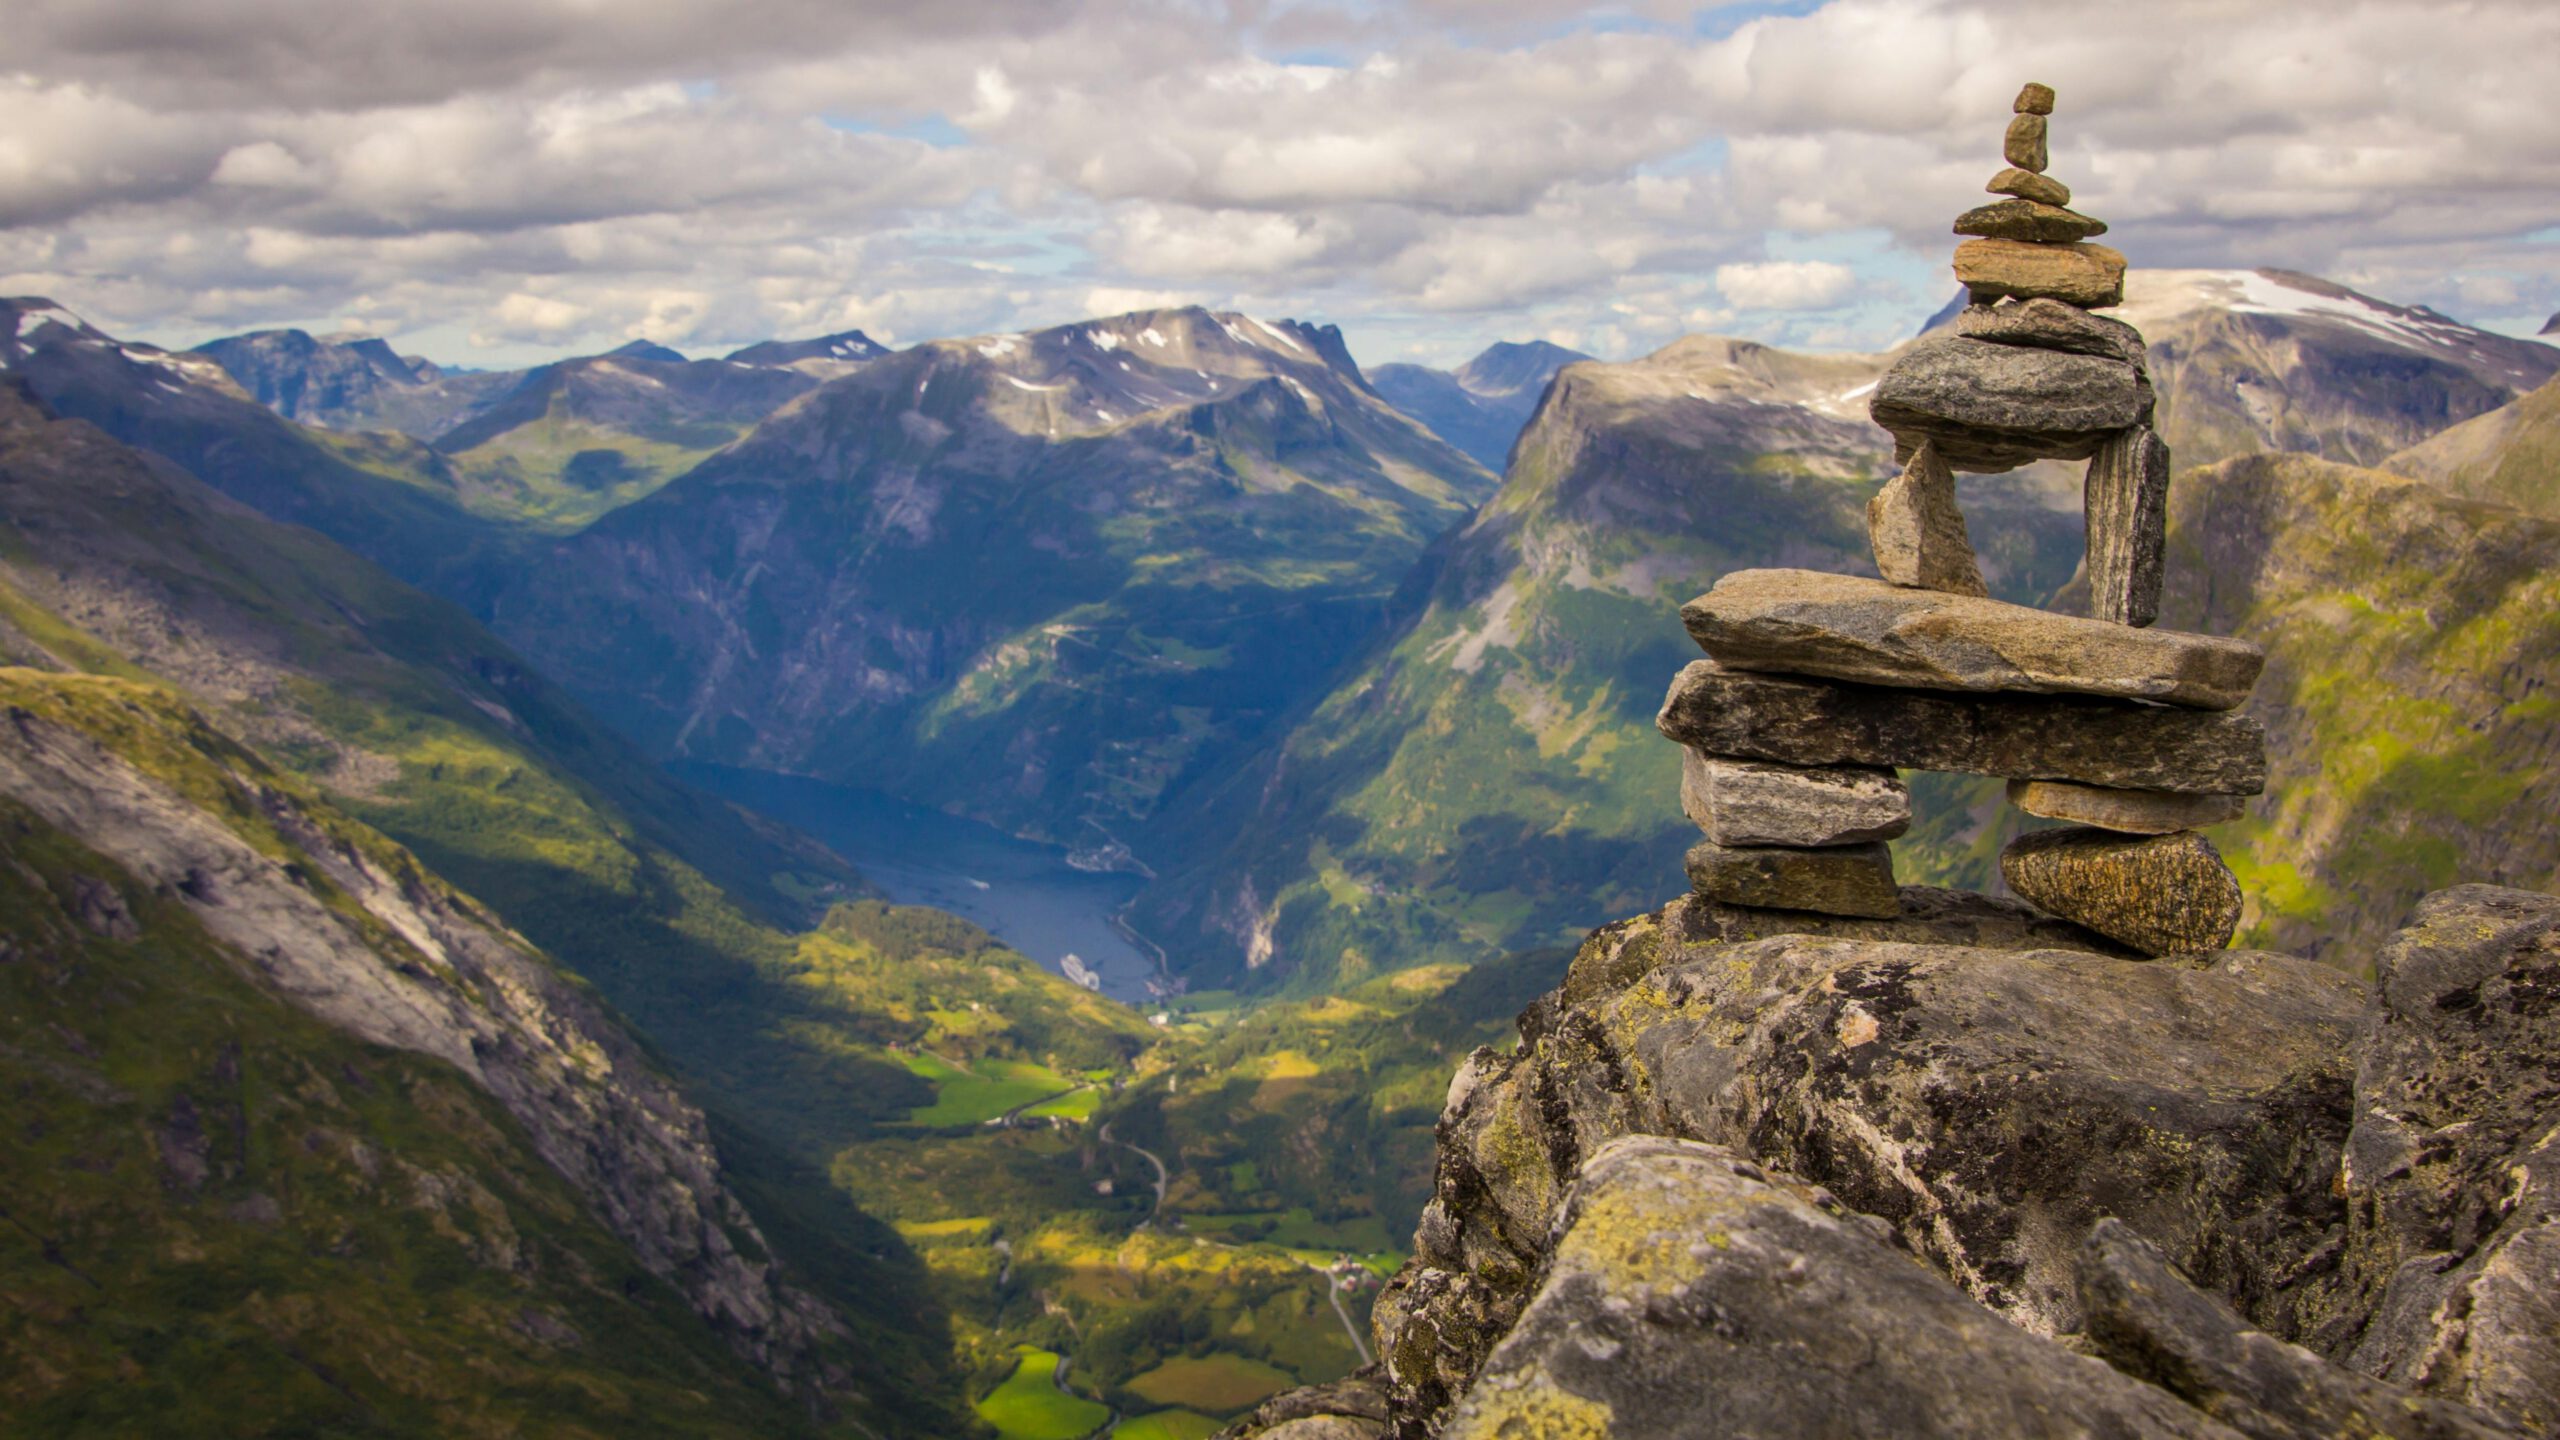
[276, 1173]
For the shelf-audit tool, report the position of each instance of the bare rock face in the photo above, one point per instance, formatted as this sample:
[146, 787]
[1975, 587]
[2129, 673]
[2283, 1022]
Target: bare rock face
[2148, 1321]
[1751, 802]
[1917, 531]
[2452, 1178]
[1847, 627]
[1834, 880]
[1799, 721]
[1355, 1407]
[2161, 894]
[2126, 499]
[1691, 1293]
[1989, 1105]
[2134, 812]
[1995, 407]
[2089, 276]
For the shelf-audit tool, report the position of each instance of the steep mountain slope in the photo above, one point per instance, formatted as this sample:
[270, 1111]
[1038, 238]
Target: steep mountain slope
[304, 1140]
[348, 384]
[1481, 406]
[388, 499]
[1042, 579]
[2413, 735]
[1492, 779]
[569, 441]
[2249, 360]
[2510, 455]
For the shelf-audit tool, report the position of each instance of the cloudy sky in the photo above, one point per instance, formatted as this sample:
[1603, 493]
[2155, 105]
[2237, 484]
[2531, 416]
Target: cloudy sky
[495, 181]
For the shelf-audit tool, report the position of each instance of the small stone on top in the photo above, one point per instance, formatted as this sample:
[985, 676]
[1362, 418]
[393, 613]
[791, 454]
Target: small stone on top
[2035, 99]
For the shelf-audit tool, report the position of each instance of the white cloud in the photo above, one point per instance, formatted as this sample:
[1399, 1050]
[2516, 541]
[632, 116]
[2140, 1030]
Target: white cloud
[1785, 284]
[1437, 172]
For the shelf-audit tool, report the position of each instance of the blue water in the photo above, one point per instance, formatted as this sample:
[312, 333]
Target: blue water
[1025, 894]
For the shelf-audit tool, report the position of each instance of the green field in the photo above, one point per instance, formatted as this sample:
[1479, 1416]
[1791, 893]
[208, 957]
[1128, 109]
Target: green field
[1078, 1105]
[1166, 1425]
[1220, 1384]
[1030, 1406]
[978, 1093]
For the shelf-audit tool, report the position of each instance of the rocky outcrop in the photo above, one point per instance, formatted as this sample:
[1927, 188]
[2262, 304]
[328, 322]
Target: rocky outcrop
[1785, 1180]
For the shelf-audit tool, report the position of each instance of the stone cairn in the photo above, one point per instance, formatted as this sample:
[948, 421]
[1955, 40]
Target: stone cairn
[1819, 686]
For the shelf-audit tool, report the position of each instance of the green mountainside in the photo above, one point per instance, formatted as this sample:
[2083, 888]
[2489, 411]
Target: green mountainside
[2510, 455]
[303, 1141]
[1490, 779]
[1045, 580]
[2413, 732]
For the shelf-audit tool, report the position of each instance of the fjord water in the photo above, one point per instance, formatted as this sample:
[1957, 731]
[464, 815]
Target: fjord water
[1023, 892]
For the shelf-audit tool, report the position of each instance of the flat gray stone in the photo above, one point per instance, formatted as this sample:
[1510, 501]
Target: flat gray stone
[1834, 880]
[1917, 530]
[2134, 812]
[2024, 145]
[2042, 324]
[1991, 407]
[2028, 185]
[2117, 743]
[2161, 894]
[1848, 627]
[2031, 220]
[2126, 500]
[1756, 802]
[1692, 1293]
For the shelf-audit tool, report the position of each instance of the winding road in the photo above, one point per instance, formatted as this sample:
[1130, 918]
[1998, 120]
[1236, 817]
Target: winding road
[1163, 1176]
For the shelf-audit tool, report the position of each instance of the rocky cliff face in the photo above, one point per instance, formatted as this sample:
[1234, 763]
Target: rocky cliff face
[1481, 406]
[1963, 1170]
[155, 834]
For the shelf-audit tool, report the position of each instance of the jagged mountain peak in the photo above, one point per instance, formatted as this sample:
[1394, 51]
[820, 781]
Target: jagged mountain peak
[2552, 325]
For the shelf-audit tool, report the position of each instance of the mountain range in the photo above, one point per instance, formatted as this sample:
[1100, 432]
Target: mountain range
[1188, 591]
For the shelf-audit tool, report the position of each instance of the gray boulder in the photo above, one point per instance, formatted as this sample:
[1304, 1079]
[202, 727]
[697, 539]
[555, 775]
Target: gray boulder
[2145, 1319]
[1691, 1294]
[2452, 1177]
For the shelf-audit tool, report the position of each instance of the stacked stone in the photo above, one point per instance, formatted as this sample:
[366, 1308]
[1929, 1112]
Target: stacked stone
[1819, 686]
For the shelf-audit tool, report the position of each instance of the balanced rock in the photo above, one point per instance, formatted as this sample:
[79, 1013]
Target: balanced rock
[2161, 894]
[2029, 220]
[1917, 531]
[2125, 497]
[2024, 146]
[2042, 324]
[1753, 802]
[2133, 812]
[2034, 99]
[1834, 880]
[2028, 185]
[2089, 276]
[1996, 407]
[1798, 721]
[1848, 627]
